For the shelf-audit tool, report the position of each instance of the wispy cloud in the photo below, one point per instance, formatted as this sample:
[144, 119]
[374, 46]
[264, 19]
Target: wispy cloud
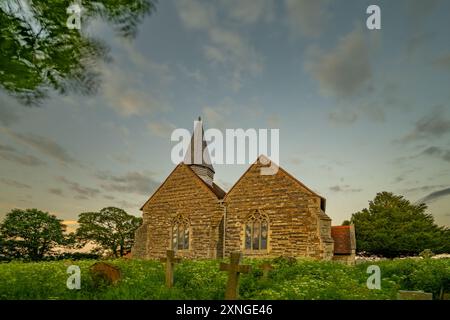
[344, 188]
[56, 191]
[442, 62]
[225, 47]
[161, 129]
[436, 195]
[341, 116]
[438, 152]
[249, 11]
[14, 183]
[9, 113]
[307, 18]
[135, 84]
[435, 124]
[11, 154]
[44, 145]
[130, 182]
[81, 192]
[344, 70]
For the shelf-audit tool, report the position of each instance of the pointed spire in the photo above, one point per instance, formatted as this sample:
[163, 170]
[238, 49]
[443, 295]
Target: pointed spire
[197, 155]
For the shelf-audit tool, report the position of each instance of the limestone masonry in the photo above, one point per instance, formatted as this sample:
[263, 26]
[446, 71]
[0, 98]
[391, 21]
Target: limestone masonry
[261, 215]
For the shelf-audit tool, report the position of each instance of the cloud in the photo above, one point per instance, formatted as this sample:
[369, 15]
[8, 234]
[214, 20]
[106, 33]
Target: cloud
[131, 182]
[122, 158]
[215, 116]
[225, 47]
[419, 10]
[11, 154]
[424, 188]
[128, 95]
[198, 76]
[432, 125]
[196, 15]
[442, 62]
[344, 188]
[44, 145]
[231, 50]
[249, 11]
[56, 191]
[344, 70]
[126, 204]
[161, 129]
[81, 192]
[307, 18]
[8, 111]
[343, 116]
[135, 84]
[16, 184]
[436, 195]
[273, 121]
[438, 152]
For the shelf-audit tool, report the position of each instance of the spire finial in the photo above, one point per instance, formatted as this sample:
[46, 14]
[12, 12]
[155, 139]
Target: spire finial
[199, 118]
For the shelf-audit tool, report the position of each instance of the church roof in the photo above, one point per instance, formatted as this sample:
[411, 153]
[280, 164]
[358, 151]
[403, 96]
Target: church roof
[198, 146]
[343, 239]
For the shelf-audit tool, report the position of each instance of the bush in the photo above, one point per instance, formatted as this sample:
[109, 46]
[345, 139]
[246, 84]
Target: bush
[289, 279]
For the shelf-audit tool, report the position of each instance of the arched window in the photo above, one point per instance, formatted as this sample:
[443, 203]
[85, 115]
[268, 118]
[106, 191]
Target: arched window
[180, 233]
[256, 231]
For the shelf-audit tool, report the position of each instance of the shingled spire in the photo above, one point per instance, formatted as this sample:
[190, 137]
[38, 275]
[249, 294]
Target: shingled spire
[197, 155]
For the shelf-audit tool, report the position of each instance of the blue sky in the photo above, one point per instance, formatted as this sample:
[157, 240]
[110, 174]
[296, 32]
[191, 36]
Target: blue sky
[359, 111]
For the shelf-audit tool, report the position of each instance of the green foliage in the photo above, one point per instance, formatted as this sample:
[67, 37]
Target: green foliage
[426, 254]
[38, 52]
[429, 275]
[30, 234]
[112, 229]
[302, 279]
[392, 226]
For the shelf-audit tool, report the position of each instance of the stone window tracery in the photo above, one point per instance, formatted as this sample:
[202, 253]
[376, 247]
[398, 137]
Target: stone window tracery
[180, 233]
[256, 231]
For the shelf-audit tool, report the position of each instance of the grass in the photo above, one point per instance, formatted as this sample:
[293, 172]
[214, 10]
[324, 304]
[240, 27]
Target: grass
[303, 279]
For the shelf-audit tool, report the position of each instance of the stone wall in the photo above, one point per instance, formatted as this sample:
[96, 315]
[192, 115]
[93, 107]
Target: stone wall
[293, 211]
[182, 194]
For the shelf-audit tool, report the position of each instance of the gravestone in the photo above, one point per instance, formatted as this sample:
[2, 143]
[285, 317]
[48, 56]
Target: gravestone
[170, 261]
[266, 268]
[234, 270]
[105, 272]
[414, 295]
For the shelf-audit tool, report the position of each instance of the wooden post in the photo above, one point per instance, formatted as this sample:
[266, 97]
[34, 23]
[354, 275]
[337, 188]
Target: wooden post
[234, 270]
[266, 268]
[170, 261]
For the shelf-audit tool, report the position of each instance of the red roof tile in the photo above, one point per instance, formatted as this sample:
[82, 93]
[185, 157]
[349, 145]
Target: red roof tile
[344, 241]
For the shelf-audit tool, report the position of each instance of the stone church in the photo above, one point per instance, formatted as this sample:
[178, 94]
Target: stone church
[261, 215]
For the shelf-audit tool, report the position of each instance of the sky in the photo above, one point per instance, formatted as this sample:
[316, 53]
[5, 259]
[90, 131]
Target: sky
[359, 111]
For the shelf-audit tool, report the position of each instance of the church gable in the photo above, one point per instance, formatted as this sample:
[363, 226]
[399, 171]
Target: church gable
[286, 212]
[183, 214]
[183, 178]
[281, 179]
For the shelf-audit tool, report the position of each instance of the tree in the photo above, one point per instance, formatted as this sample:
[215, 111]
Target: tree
[30, 234]
[392, 226]
[39, 53]
[111, 229]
